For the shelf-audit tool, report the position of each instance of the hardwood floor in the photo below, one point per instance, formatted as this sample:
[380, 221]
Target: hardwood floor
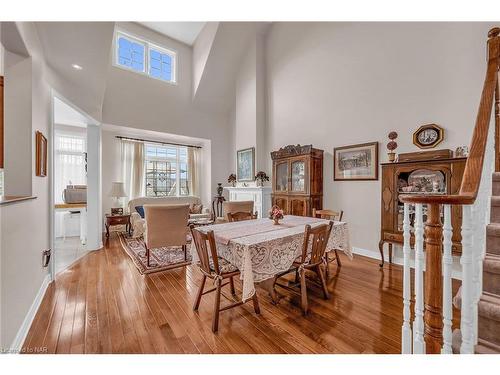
[103, 305]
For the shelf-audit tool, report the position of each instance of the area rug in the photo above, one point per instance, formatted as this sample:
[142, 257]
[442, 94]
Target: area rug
[160, 259]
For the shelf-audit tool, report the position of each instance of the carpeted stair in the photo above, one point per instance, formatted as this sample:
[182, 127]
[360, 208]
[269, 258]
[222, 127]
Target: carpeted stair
[489, 304]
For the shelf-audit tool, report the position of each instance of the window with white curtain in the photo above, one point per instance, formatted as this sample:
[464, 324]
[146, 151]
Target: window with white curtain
[70, 162]
[167, 171]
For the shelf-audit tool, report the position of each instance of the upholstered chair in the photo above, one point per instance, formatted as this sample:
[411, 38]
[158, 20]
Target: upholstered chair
[166, 225]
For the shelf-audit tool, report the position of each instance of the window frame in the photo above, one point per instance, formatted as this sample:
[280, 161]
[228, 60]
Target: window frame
[148, 46]
[177, 160]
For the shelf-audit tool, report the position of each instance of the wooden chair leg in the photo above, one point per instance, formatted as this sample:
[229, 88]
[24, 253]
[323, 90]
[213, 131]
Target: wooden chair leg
[147, 256]
[327, 266]
[303, 291]
[339, 263]
[297, 278]
[231, 285]
[255, 301]
[184, 247]
[319, 272]
[215, 318]
[200, 293]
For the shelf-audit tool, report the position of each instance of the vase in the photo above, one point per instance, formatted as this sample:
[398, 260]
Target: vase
[276, 221]
[391, 156]
[220, 189]
[260, 183]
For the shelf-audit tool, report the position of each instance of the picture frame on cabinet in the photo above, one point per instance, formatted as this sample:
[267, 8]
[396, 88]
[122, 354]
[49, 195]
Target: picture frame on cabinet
[357, 162]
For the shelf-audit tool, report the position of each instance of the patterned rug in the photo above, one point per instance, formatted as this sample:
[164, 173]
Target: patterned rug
[160, 259]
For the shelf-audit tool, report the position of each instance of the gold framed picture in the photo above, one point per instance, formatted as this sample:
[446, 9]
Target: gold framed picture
[356, 162]
[41, 154]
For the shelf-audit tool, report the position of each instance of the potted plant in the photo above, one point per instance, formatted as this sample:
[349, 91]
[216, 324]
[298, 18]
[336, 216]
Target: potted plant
[232, 179]
[261, 177]
[391, 146]
[276, 214]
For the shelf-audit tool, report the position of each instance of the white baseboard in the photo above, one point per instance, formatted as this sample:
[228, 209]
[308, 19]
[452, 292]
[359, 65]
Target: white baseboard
[376, 255]
[18, 342]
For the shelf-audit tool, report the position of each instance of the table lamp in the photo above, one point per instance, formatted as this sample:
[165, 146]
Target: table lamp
[117, 192]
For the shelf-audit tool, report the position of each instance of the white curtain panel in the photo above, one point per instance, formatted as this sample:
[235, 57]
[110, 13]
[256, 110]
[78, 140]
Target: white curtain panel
[133, 168]
[194, 162]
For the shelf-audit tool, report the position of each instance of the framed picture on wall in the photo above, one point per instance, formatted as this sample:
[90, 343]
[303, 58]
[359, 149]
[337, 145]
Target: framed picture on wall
[41, 154]
[356, 162]
[245, 164]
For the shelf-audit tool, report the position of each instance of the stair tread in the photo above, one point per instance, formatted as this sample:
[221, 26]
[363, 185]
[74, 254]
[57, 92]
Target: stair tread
[496, 176]
[489, 306]
[493, 229]
[486, 347]
[491, 263]
[495, 200]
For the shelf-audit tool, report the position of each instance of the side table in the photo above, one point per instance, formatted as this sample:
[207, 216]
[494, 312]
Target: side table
[118, 220]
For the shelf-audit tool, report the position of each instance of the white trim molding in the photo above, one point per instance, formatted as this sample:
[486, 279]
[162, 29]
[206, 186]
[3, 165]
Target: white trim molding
[18, 342]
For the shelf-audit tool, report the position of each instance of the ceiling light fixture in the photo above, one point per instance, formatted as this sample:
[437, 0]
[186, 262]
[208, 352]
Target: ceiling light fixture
[76, 66]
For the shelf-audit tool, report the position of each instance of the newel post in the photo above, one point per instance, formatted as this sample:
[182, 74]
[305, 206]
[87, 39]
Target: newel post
[433, 316]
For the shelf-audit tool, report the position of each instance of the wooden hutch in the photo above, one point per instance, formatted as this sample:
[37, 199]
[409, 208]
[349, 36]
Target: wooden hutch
[298, 179]
[427, 172]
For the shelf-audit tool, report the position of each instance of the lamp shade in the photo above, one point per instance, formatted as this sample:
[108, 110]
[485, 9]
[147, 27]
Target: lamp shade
[117, 190]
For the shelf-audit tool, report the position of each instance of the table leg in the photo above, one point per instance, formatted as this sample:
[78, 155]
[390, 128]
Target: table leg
[268, 286]
[107, 230]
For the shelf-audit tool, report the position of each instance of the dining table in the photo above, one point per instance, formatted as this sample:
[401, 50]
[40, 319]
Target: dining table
[261, 250]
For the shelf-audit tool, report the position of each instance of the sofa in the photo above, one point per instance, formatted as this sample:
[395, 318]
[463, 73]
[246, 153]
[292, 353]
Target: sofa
[139, 224]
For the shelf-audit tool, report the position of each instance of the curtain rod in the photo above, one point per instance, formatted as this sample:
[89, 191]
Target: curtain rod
[157, 142]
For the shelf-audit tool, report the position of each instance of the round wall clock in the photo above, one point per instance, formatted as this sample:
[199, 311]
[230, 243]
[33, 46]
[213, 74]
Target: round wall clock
[428, 136]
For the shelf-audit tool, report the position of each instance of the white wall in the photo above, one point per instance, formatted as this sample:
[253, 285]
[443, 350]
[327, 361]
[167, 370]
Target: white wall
[201, 50]
[137, 101]
[335, 84]
[25, 225]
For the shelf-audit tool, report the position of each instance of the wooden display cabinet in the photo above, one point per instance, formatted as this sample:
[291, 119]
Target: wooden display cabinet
[298, 179]
[442, 176]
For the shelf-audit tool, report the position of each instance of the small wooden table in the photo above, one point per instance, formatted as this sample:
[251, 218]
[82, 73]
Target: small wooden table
[118, 220]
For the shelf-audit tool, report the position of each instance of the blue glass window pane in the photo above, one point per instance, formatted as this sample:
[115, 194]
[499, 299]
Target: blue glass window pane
[155, 73]
[155, 55]
[166, 76]
[137, 66]
[123, 61]
[155, 64]
[166, 58]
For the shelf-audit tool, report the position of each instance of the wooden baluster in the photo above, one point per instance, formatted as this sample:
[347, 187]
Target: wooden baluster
[418, 325]
[447, 292]
[497, 127]
[466, 319]
[433, 281]
[406, 329]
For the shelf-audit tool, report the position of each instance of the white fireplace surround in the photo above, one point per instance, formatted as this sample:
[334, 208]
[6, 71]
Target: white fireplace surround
[260, 195]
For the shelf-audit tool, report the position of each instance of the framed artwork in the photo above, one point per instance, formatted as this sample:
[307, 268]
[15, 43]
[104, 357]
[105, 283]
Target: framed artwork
[41, 154]
[428, 136]
[245, 164]
[356, 162]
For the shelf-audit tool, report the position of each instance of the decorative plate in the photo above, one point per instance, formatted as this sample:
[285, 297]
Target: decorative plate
[428, 136]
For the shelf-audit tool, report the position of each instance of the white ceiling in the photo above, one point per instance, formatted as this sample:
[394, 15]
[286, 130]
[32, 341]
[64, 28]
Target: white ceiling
[186, 32]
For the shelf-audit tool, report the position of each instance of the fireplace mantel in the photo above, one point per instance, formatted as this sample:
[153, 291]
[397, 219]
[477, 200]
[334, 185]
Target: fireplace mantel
[260, 195]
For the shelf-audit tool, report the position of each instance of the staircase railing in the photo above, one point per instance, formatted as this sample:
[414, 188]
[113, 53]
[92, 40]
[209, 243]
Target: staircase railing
[432, 324]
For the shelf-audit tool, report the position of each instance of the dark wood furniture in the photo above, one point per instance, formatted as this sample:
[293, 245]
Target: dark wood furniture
[311, 262]
[329, 215]
[217, 206]
[218, 269]
[391, 232]
[240, 216]
[1, 123]
[298, 179]
[118, 220]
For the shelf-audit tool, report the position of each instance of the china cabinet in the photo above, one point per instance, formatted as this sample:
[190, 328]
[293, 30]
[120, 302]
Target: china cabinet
[298, 179]
[431, 176]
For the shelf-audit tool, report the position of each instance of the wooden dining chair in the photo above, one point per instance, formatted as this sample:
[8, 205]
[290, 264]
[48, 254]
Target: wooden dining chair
[240, 216]
[217, 269]
[317, 239]
[329, 215]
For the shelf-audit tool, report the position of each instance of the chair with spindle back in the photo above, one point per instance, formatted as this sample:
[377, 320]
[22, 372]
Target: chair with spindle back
[316, 238]
[329, 215]
[217, 269]
[240, 216]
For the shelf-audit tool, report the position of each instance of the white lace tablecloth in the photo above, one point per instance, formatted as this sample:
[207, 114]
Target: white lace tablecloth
[261, 250]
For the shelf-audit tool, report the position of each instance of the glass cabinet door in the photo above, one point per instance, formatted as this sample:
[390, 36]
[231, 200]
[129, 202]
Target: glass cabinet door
[282, 176]
[298, 175]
